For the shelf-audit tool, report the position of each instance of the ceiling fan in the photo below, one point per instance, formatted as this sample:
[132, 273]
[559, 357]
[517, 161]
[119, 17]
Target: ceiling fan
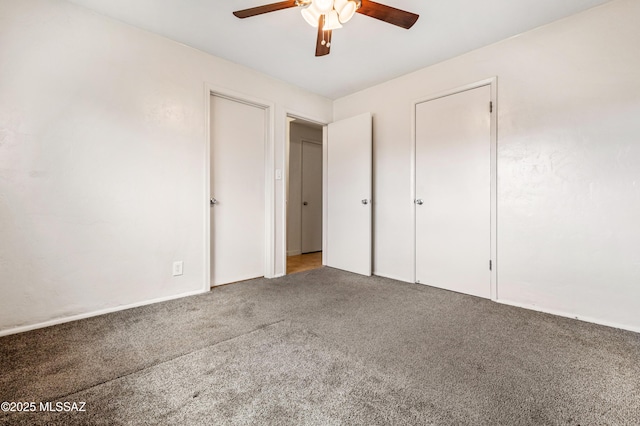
[329, 15]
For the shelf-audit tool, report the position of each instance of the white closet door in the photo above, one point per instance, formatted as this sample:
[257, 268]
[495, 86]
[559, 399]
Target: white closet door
[453, 192]
[311, 197]
[238, 188]
[349, 177]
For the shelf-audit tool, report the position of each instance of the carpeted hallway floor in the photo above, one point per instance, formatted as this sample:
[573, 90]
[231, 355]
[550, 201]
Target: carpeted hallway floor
[325, 347]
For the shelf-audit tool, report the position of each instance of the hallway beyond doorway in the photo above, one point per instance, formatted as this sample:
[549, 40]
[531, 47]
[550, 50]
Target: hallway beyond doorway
[304, 262]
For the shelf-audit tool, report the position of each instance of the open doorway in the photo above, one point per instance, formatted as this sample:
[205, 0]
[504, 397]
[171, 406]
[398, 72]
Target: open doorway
[304, 196]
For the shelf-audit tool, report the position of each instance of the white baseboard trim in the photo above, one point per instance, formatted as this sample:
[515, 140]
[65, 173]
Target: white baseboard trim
[392, 277]
[544, 310]
[294, 253]
[568, 315]
[57, 321]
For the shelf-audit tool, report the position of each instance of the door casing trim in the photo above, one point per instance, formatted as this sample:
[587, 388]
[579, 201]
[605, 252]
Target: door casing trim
[269, 186]
[288, 113]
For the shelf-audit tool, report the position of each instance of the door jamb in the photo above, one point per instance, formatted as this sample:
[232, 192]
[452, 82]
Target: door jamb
[285, 181]
[493, 83]
[269, 186]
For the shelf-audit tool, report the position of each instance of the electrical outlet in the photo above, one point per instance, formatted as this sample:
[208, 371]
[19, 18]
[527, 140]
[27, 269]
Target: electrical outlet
[177, 268]
[278, 174]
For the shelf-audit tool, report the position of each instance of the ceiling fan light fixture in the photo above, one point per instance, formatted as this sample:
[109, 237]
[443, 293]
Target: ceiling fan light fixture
[327, 15]
[346, 9]
[323, 6]
[332, 22]
[339, 4]
[311, 15]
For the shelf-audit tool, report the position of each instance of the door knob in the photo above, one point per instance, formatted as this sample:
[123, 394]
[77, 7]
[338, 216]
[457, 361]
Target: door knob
[213, 201]
[365, 201]
[304, 203]
[419, 202]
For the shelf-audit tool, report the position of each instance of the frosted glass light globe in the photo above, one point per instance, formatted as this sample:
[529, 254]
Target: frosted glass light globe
[323, 6]
[346, 9]
[331, 21]
[311, 15]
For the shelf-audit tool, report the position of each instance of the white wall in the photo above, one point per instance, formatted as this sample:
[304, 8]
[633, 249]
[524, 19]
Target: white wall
[298, 133]
[102, 146]
[568, 163]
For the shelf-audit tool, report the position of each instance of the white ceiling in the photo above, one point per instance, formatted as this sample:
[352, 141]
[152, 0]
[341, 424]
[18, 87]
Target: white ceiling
[363, 53]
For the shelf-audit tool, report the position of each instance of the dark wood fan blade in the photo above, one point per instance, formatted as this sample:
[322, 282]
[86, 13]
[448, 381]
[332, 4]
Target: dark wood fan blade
[388, 14]
[323, 49]
[246, 13]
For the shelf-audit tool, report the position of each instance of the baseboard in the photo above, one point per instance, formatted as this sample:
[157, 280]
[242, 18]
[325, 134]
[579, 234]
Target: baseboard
[392, 277]
[294, 253]
[546, 311]
[63, 320]
[568, 315]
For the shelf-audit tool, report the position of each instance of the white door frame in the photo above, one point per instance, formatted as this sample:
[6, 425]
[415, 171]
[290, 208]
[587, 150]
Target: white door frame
[301, 116]
[269, 186]
[493, 83]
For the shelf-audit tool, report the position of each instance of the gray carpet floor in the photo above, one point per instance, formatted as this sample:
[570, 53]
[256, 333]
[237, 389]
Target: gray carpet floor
[325, 347]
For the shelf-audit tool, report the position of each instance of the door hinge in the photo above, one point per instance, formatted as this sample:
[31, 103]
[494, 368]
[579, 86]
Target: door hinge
[490, 265]
[491, 106]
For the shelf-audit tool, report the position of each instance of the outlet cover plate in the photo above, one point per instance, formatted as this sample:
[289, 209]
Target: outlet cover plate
[177, 268]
